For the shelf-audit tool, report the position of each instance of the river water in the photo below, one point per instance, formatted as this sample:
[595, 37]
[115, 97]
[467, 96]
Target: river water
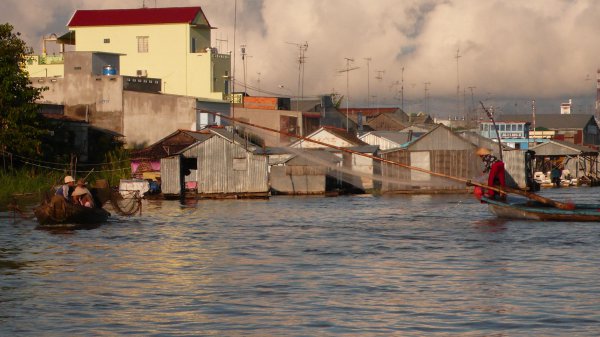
[305, 266]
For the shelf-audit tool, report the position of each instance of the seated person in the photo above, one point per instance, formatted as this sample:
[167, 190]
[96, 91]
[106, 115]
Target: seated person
[66, 189]
[82, 196]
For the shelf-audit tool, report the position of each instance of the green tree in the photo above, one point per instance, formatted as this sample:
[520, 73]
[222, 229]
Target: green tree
[21, 126]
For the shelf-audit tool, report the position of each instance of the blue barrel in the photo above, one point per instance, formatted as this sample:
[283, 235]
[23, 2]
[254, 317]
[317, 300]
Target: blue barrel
[109, 70]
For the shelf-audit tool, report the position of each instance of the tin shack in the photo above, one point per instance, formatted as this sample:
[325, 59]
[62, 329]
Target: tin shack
[223, 166]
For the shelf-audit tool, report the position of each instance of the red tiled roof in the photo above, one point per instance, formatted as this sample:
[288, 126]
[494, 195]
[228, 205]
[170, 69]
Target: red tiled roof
[135, 16]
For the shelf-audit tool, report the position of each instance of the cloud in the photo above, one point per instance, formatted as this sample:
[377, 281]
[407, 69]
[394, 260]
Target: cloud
[539, 48]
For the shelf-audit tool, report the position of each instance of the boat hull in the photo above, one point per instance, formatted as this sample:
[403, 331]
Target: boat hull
[540, 212]
[59, 214]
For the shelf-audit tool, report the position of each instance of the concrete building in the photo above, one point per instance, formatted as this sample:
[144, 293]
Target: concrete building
[171, 44]
[111, 102]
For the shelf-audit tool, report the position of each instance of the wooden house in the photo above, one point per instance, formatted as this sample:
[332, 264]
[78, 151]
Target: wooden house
[389, 122]
[222, 166]
[578, 160]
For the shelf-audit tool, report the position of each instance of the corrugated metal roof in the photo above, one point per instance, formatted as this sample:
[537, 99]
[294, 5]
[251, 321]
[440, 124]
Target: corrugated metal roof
[343, 134]
[550, 121]
[136, 16]
[398, 137]
[313, 157]
[557, 147]
[171, 144]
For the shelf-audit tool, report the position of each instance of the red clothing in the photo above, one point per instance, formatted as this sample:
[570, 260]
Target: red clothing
[496, 176]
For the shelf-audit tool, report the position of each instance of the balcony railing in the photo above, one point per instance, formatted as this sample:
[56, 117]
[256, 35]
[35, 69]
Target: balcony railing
[48, 59]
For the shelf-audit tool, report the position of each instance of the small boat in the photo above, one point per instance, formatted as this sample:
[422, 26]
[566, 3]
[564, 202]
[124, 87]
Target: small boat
[533, 210]
[57, 213]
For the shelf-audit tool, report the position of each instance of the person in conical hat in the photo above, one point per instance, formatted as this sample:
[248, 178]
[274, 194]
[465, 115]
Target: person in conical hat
[81, 195]
[482, 151]
[496, 170]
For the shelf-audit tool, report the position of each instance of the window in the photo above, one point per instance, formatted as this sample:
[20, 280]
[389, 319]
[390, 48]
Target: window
[142, 42]
[106, 40]
[193, 45]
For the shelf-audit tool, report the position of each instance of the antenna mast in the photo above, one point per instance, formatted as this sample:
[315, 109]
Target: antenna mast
[347, 71]
[302, 47]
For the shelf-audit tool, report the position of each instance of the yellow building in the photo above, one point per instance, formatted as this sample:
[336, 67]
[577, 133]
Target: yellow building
[172, 44]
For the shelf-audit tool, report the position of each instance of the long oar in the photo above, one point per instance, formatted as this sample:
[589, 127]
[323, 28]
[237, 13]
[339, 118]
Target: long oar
[504, 190]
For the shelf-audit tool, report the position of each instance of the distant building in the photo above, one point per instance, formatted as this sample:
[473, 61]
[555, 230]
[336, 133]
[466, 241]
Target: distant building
[171, 44]
[579, 129]
[565, 108]
[513, 133]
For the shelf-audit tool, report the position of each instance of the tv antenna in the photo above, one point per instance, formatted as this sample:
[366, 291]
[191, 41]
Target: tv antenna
[347, 70]
[302, 47]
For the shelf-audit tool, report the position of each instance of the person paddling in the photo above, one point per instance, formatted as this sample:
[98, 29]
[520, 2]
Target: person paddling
[496, 176]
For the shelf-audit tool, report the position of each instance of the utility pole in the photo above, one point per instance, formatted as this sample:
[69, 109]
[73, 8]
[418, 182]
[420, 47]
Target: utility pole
[368, 59]
[347, 71]
[243, 50]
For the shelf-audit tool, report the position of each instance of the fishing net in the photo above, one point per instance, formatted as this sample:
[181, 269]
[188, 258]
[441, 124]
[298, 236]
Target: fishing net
[126, 204]
[129, 204]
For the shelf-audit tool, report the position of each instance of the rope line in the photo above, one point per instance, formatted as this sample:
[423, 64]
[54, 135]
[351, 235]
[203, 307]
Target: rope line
[59, 164]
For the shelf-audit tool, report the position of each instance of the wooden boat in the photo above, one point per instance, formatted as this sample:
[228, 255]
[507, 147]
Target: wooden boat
[532, 210]
[57, 213]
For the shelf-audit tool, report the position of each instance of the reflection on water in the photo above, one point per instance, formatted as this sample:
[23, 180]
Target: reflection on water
[357, 265]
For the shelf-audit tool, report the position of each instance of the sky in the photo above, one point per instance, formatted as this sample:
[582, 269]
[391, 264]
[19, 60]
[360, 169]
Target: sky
[444, 54]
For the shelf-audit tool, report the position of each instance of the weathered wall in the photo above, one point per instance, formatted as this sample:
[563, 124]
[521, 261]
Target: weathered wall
[55, 93]
[298, 179]
[150, 117]
[270, 119]
[227, 168]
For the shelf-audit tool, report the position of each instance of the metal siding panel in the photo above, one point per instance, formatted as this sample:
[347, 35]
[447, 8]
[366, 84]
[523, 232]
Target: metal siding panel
[514, 163]
[169, 174]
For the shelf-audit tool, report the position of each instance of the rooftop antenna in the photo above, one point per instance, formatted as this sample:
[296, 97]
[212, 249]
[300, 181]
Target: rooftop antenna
[425, 98]
[598, 93]
[302, 47]
[347, 71]
[379, 77]
[402, 89]
[457, 83]
[472, 106]
[258, 82]
[368, 59]
[220, 41]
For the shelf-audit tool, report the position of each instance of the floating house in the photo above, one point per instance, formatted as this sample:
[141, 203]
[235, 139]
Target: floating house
[145, 163]
[358, 169]
[222, 166]
[440, 151]
[304, 172]
[580, 161]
